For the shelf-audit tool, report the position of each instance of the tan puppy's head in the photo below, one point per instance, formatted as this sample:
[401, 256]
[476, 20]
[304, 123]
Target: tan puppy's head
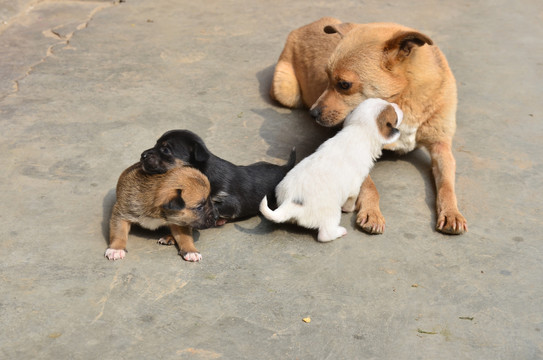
[371, 61]
[183, 198]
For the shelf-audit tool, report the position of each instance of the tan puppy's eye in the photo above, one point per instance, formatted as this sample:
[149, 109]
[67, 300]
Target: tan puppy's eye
[344, 85]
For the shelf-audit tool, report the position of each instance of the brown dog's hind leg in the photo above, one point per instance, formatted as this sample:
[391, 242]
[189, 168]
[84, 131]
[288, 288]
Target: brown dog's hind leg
[285, 88]
[369, 216]
[449, 219]
[183, 238]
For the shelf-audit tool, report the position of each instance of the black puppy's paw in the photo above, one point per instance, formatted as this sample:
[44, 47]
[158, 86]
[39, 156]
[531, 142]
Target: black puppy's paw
[166, 240]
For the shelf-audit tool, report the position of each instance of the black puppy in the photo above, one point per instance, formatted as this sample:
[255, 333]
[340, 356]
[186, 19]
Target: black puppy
[236, 191]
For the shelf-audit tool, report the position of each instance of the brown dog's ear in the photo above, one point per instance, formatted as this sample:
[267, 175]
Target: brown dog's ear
[399, 47]
[340, 29]
[176, 203]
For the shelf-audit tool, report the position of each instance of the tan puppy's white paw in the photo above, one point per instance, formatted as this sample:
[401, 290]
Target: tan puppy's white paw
[115, 254]
[166, 240]
[192, 256]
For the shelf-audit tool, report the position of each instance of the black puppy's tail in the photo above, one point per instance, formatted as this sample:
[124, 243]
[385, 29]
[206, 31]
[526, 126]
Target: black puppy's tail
[291, 160]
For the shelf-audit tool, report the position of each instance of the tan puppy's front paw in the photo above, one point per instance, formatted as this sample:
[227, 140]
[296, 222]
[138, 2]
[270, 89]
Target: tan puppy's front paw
[166, 240]
[115, 254]
[371, 221]
[192, 256]
[451, 222]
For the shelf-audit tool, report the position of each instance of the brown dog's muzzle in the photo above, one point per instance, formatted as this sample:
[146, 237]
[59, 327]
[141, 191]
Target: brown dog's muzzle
[327, 118]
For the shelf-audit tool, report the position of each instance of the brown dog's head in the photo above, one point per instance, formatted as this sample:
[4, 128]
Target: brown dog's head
[183, 198]
[371, 61]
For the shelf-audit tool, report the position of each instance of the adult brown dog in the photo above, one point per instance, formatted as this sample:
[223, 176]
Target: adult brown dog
[178, 198]
[332, 67]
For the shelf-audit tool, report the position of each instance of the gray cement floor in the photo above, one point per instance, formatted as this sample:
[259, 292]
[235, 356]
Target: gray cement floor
[85, 86]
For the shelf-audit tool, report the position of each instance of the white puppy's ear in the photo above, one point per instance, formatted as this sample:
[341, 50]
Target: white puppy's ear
[341, 29]
[387, 123]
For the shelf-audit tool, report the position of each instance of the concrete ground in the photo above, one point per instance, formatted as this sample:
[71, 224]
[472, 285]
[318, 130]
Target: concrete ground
[86, 86]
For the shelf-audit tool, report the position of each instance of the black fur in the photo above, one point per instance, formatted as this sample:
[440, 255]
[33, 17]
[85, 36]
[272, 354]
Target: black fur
[177, 203]
[236, 191]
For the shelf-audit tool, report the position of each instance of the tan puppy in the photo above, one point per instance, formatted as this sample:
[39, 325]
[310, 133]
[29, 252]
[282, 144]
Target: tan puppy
[178, 198]
[332, 67]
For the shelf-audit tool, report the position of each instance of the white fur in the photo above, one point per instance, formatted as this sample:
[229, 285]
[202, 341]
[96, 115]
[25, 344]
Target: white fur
[314, 191]
[114, 254]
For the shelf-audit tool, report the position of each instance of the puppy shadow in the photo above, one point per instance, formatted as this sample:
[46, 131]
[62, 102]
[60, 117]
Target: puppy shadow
[135, 229]
[266, 227]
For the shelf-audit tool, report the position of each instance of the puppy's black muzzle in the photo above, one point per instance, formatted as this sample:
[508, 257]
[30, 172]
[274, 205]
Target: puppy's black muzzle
[210, 218]
[151, 162]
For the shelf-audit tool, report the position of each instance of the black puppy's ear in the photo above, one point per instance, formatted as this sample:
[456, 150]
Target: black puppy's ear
[200, 152]
[176, 203]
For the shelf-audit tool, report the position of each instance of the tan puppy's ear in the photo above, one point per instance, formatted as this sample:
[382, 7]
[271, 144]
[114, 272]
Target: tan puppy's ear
[340, 29]
[175, 203]
[399, 47]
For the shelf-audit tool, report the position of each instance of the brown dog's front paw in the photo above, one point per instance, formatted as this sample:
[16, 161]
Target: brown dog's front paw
[371, 221]
[451, 222]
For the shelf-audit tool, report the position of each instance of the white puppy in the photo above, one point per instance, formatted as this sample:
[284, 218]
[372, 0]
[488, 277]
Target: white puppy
[315, 191]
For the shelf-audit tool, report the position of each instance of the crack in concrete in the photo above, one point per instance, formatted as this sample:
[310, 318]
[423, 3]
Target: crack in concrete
[52, 33]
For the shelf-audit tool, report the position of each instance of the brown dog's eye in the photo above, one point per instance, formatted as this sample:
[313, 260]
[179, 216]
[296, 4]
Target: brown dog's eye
[344, 85]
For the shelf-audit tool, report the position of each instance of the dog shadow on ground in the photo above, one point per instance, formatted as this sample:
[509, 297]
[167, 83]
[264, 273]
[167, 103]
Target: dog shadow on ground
[420, 159]
[266, 227]
[135, 230]
[285, 128]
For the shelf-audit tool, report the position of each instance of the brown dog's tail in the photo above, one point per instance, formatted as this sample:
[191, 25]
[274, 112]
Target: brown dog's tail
[285, 88]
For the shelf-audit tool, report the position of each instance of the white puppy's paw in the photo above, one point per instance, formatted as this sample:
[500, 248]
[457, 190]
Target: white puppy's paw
[192, 256]
[326, 235]
[115, 254]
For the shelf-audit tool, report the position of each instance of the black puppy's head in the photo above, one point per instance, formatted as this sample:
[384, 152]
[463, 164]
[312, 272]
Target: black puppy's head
[173, 149]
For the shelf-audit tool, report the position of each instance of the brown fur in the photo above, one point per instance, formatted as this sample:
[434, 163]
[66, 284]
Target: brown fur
[387, 121]
[332, 67]
[178, 198]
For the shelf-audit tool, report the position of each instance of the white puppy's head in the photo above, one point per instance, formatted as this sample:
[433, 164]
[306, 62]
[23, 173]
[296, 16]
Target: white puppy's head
[381, 116]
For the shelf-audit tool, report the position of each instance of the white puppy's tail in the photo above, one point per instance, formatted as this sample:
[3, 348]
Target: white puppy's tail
[283, 213]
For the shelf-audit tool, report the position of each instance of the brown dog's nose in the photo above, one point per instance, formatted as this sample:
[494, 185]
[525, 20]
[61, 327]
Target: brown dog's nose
[316, 112]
